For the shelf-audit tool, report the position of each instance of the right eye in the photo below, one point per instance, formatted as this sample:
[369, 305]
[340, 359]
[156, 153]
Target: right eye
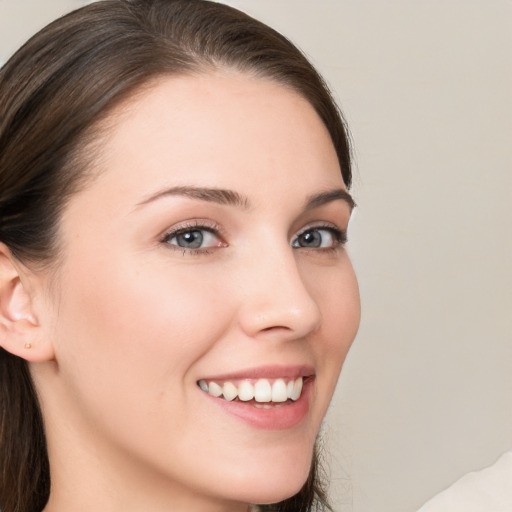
[193, 238]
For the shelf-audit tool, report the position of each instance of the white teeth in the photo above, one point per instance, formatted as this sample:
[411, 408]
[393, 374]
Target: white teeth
[229, 391]
[263, 392]
[245, 391]
[279, 391]
[289, 388]
[214, 389]
[297, 389]
[264, 405]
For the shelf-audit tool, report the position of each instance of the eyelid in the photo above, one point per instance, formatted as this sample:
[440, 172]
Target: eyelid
[340, 234]
[193, 225]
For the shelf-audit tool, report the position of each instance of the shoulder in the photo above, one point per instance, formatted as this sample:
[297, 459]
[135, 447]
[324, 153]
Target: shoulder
[480, 491]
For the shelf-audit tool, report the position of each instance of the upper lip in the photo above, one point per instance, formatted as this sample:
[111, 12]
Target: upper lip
[266, 372]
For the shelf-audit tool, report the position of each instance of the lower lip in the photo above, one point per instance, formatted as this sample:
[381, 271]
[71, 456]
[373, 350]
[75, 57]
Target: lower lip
[274, 418]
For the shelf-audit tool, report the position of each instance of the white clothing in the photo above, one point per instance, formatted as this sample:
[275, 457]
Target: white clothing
[488, 490]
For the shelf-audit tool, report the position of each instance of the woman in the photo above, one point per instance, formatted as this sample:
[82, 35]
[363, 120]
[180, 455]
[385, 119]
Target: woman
[176, 300]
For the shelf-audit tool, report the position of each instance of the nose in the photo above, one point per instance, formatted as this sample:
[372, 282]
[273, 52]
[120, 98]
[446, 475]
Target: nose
[276, 300]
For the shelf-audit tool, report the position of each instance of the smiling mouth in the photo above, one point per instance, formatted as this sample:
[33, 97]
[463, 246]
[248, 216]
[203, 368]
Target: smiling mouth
[262, 393]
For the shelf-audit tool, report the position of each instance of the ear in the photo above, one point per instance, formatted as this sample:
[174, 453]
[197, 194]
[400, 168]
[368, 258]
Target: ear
[21, 332]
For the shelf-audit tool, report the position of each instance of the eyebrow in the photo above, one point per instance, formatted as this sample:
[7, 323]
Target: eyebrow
[211, 195]
[322, 198]
[232, 198]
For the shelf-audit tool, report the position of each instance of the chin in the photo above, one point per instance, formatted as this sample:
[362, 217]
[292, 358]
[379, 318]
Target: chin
[276, 480]
[277, 494]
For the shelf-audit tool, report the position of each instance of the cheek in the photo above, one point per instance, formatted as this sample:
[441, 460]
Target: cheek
[337, 294]
[134, 333]
[343, 317]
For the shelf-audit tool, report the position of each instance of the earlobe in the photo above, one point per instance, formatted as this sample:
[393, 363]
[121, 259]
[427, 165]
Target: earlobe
[21, 333]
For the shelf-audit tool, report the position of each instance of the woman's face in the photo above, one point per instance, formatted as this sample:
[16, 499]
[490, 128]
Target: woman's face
[209, 249]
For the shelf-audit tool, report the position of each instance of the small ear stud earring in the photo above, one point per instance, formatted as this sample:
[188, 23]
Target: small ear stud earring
[28, 345]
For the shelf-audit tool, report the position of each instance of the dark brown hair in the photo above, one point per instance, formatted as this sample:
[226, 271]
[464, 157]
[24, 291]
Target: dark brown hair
[54, 93]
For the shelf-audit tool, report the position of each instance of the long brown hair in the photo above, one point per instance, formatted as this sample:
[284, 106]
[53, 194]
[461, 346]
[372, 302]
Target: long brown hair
[53, 94]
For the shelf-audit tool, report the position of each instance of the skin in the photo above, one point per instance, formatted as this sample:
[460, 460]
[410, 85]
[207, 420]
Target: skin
[129, 322]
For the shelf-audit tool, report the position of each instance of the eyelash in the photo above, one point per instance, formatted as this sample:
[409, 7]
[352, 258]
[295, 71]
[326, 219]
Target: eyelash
[213, 228]
[339, 238]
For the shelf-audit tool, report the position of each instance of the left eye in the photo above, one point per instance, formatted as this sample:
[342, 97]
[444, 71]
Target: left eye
[193, 239]
[318, 238]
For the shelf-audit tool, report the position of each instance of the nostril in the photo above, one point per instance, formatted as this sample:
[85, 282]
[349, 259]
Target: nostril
[276, 328]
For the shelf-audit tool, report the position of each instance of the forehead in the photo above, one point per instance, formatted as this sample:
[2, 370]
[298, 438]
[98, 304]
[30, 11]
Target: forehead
[223, 129]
